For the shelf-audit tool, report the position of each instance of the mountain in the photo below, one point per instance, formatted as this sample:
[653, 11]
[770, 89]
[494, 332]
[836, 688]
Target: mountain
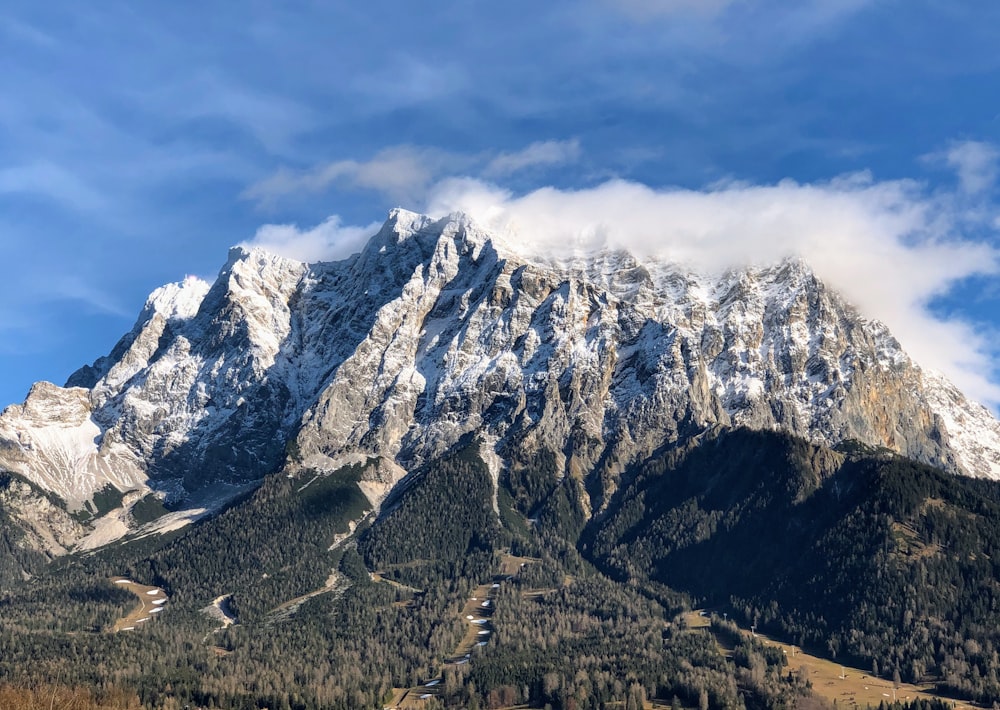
[359, 467]
[439, 330]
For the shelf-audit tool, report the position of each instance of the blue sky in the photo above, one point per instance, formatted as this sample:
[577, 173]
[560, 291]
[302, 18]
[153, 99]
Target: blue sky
[138, 141]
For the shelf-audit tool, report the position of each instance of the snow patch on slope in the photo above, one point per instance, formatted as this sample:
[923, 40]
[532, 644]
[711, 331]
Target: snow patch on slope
[178, 301]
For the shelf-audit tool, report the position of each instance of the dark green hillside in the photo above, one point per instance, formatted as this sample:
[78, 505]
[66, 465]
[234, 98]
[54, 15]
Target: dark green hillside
[868, 557]
[873, 559]
[441, 522]
[340, 649]
[263, 550]
[271, 548]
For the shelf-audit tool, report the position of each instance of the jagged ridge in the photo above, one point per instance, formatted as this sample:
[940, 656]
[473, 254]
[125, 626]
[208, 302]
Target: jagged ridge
[437, 330]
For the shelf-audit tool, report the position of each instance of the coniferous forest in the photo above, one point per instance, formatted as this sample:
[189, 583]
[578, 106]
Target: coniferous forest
[855, 554]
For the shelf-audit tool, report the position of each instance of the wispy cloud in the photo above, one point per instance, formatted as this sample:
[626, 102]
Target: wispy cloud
[25, 32]
[268, 115]
[405, 173]
[407, 79]
[816, 15]
[645, 9]
[805, 15]
[975, 163]
[75, 287]
[538, 154]
[402, 173]
[53, 182]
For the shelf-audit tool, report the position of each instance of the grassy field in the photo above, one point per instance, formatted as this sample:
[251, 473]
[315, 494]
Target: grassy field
[849, 687]
[473, 607]
[511, 565]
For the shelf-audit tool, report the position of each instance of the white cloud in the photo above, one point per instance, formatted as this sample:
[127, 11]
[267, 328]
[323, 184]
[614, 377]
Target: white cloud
[975, 162]
[405, 173]
[327, 241]
[402, 173]
[888, 247]
[540, 153]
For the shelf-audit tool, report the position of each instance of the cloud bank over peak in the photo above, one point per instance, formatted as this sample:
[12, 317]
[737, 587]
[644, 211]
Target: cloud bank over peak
[329, 240]
[890, 247]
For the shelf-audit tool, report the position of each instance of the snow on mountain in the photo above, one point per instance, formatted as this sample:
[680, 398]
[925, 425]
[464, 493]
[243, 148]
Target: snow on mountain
[606, 358]
[438, 329]
[54, 441]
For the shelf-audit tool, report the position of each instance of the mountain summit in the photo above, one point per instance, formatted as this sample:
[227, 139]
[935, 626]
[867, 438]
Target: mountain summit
[438, 331]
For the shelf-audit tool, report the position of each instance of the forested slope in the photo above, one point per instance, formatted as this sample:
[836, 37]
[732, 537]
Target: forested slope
[860, 554]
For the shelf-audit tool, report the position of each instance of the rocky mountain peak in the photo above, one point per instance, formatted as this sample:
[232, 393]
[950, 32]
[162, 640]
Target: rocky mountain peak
[48, 404]
[438, 330]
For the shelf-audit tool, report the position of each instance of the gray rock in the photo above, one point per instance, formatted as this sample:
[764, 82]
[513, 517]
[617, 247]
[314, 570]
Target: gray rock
[437, 331]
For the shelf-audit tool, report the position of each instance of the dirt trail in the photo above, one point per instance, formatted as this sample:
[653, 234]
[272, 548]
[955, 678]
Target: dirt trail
[152, 601]
[335, 584]
[379, 578]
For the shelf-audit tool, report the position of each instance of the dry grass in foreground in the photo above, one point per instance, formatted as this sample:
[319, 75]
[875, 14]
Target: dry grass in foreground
[62, 698]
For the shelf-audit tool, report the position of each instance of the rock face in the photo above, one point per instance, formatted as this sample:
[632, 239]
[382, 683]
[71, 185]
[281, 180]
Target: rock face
[602, 360]
[437, 330]
[45, 526]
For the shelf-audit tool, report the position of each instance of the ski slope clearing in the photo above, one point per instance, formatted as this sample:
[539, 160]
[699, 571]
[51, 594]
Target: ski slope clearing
[151, 602]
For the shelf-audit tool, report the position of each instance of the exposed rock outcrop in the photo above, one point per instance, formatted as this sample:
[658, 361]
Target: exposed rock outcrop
[437, 330]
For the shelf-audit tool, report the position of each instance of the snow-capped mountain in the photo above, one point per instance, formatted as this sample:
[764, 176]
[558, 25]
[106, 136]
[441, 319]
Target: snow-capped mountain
[438, 330]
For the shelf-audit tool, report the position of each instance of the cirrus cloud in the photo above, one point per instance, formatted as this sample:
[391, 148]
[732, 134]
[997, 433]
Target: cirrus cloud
[401, 172]
[539, 153]
[406, 173]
